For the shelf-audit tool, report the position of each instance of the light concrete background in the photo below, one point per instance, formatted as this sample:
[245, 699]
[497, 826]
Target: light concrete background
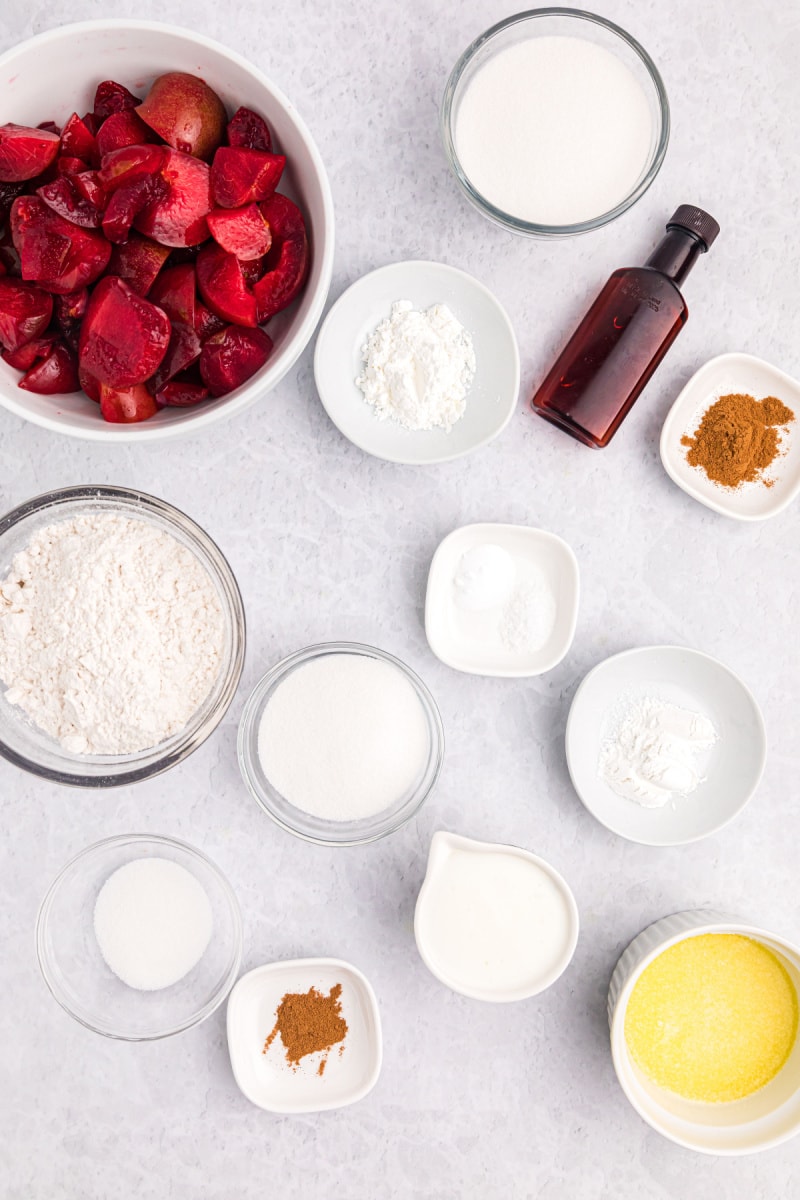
[474, 1100]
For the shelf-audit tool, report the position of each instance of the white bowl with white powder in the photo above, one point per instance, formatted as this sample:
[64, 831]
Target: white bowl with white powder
[122, 636]
[139, 937]
[418, 363]
[554, 122]
[341, 743]
[502, 600]
[665, 745]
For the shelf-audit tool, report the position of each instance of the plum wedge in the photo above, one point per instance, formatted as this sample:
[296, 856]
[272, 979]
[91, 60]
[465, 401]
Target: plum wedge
[26, 153]
[240, 176]
[55, 253]
[279, 285]
[25, 312]
[123, 337]
[186, 113]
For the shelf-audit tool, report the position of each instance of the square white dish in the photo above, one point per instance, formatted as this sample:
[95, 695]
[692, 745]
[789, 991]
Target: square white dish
[725, 374]
[492, 396]
[268, 1080]
[476, 655]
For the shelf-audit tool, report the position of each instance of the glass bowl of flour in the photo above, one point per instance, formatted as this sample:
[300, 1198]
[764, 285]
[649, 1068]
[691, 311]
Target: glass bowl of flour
[122, 636]
[554, 122]
[139, 937]
[341, 743]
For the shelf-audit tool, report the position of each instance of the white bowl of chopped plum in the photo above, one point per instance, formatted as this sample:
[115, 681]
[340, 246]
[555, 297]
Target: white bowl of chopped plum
[166, 237]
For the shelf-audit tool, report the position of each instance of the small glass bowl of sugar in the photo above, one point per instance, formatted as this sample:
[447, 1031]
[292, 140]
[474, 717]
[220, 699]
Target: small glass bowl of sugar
[341, 743]
[554, 122]
[139, 937]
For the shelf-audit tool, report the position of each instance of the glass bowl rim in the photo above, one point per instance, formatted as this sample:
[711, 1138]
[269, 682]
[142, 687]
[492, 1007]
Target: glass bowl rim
[254, 708]
[121, 840]
[532, 228]
[183, 743]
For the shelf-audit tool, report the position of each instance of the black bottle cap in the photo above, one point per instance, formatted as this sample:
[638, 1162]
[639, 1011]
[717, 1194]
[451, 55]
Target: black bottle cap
[700, 223]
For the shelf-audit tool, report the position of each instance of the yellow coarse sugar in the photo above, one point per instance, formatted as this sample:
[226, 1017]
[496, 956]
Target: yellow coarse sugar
[712, 1018]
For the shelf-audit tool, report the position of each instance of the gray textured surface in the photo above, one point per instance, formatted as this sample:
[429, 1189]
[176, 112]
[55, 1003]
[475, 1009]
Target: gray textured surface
[474, 1100]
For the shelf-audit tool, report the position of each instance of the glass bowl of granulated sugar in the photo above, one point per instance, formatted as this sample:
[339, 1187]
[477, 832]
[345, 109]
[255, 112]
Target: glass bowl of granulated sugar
[554, 122]
[341, 743]
[122, 636]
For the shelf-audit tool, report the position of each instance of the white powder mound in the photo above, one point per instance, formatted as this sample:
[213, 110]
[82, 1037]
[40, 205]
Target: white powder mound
[418, 367]
[153, 923]
[529, 616]
[653, 753]
[343, 737]
[111, 634]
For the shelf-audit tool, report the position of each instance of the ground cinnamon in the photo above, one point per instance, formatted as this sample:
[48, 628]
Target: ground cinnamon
[309, 1022]
[738, 438]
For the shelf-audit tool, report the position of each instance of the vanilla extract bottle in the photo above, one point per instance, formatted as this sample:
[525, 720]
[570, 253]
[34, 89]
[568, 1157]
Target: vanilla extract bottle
[610, 357]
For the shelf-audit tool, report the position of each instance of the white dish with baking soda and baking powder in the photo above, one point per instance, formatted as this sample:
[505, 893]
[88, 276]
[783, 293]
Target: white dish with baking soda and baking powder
[502, 600]
[493, 922]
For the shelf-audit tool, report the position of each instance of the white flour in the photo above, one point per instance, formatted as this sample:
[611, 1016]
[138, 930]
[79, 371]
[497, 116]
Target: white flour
[111, 634]
[418, 367]
[653, 753]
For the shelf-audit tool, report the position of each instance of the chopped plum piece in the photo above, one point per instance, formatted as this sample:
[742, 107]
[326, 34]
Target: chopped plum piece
[184, 349]
[25, 356]
[66, 165]
[25, 312]
[240, 176]
[70, 202]
[127, 202]
[78, 141]
[138, 261]
[59, 256]
[26, 153]
[130, 164]
[123, 337]
[111, 98]
[186, 113]
[54, 375]
[206, 323]
[175, 292]
[248, 129]
[241, 231]
[288, 258]
[179, 219]
[228, 359]
[122, 129]
[223, 288]
[50, 126]
[126, 405]
[180, 393]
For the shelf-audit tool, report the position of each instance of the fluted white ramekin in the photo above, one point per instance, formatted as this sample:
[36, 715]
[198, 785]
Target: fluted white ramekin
[758, 1122]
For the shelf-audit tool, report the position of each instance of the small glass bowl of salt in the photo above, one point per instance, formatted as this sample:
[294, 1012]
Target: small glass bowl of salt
[341, 743]
[139, 937]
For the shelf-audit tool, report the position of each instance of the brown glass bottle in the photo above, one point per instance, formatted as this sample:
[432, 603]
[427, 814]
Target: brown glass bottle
[624, 336]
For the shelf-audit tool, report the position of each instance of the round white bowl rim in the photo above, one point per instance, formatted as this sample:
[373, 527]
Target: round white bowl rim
[428, 264]
[505, 995]
[532, 228]
[760, 726]
[123, 839]
[145, 431]
[716, 923]
[309, 653]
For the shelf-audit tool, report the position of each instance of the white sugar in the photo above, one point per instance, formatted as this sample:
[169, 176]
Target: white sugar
[554, 130]
[344, 737]
[153, 922]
